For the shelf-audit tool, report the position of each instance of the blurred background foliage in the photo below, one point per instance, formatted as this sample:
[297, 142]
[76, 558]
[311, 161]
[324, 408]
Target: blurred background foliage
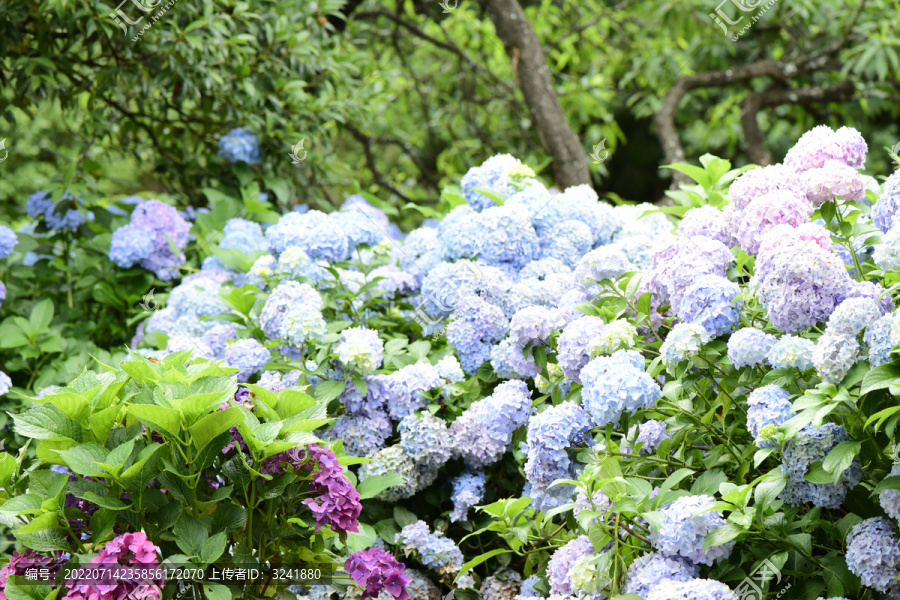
[398, 98]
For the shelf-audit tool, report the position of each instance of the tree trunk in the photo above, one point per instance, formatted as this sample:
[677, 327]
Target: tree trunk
[570, 163]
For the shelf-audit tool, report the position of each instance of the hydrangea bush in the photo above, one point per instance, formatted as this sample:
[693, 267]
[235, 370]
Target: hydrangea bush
[538, 395]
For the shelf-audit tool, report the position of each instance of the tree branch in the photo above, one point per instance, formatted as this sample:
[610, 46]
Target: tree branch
[570, 165]
[366, 141]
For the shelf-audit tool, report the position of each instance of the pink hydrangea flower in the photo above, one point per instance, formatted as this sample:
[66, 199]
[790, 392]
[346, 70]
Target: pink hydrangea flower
[129, 549]
[834, 179]
[820, 144]
[771, 209]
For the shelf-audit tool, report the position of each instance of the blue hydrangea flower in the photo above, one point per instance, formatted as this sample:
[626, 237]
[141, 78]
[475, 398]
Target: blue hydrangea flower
[834, 355]
[477, 326]
[484, 430]
[501, 360]
[616, 384]
[70, 217]
[420, 252]
[877, 339]
[5, 383]
[887, 254]
[573, 348]
[638, 249]
[243, 235]
[179, 343]
[711, 303]
[130, 245]
[491, 175]
[505, 235]
[873, 554]
[240, 145]
[450, 370]
[529, 325]
[853, 315]
[402, 391]
[7, 241]
[358, 227]
[561, 562]
[38, 203]
[393, 460]
[649, 570]
[293, 313]
[890, 499]
[218, 336]
[694, 589]
[549, 435]
[468, 490]
[313, 232]
[641, 219]
[361, 349]
[606, 262]
[568, 241]
[359, 204]
[536, 199]
[458, 233]
[437, 552]
[2, 293]
[767, 405]
[425, 439]
[581, 203]
[527, 589]
[884, 212]
[749, 347]
[792, 351]
[394, 282]
[648, 435]
[683, 342]
[807, 447]
[248, 355]
[296, 264]
[684, 527]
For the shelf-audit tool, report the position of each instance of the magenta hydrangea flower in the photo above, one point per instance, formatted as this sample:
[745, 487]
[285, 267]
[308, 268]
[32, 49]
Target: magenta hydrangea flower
[820, 145]
[129, 549]
[376, 570]
[20, 562]
[758, 182]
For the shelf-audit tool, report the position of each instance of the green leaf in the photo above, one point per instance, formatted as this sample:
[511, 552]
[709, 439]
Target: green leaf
[478, 560]
[176, 486]
[229, 517]
[40, 523]
[47, 540]
[214, 424]
[158, 418]
[140, 460]
[105, 502]
[213, 548]
[879, 378]
[41, 315]
[83, 459]
[46, 422]
[840, 458]
[190, 535]
[328, 391]
[721, 535]
[375, 484]
[215, 591]
[768, 489]
[404, 517]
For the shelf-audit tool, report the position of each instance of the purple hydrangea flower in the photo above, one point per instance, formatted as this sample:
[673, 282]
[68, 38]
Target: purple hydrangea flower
[649, 570]
[873, 554]
[128, 549]
[683, 529]
[706, 221]
[550, 433]
[617, 384]
[767, 211]
[679, 261]
[484, 430]
[240, 145]
[531, 325]
[890, 499]
[375, 570]
[562, 561]
[362, 435]
[574, 345]
[649, 435]
[831, 180]
[477, 326]
[21, 562]
[820, 144]
[760, 181]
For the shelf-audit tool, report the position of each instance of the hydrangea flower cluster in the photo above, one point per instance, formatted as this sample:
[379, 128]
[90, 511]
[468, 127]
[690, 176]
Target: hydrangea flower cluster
[293, 313]
[128, 549]
[67, 215]
[749, 347]
[240, 145]
[873, 554]
[482, 433]
[426, 438]
[20, 562]
[8, 241]
[437, 552]
[503, 585]
[808, 446]
[648, 435]
[711, 303]
[360, 349]
[376, 570]
[561, 562]
[248, 355]
[550, 433]
[684, 527]
[401, 392]
[614, 385]
[695, 589]
[683, 343]
[149, 239]
[767, 405]
[491, 175]
[647, 571]
[243, 235]
[468, 490]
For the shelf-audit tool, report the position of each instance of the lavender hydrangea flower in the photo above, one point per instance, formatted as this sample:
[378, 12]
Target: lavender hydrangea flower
[568, 241]
[248, 355]
[155, 227]
[890, 499]
[5, 383]
[501, 360]
[834, 355]
[767, 211]
[614, 385]
[808, 446]
[360, 349]
[476, 327]
[853, 315]
[820, 144]
[425, 439]
[749, 347]
[240, 145]
[550, 433]
[436, 551]
[313, 232]
[711, 302]
[887, 254]
[877, 340]
[420, 252]
[450, 370]
[678, 262]
[468, 490]
[402, 391]
[130, 245]
[362, 435]
[529, 325]
[293, 313]
[2, 293]
[684, 527]
[885, 211]
[484, 430]
[683, 342]
[573, 345]
[8, 241]
[561, 563]
[873, 554]
[527, 590]
[707, 221]
[395, 282]
[694, 589]
[767, 405]
[491, 175]
[648, 435]
[649, 570]
[758, 182]
[606, 262]
[581, 203]
[831, 180]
